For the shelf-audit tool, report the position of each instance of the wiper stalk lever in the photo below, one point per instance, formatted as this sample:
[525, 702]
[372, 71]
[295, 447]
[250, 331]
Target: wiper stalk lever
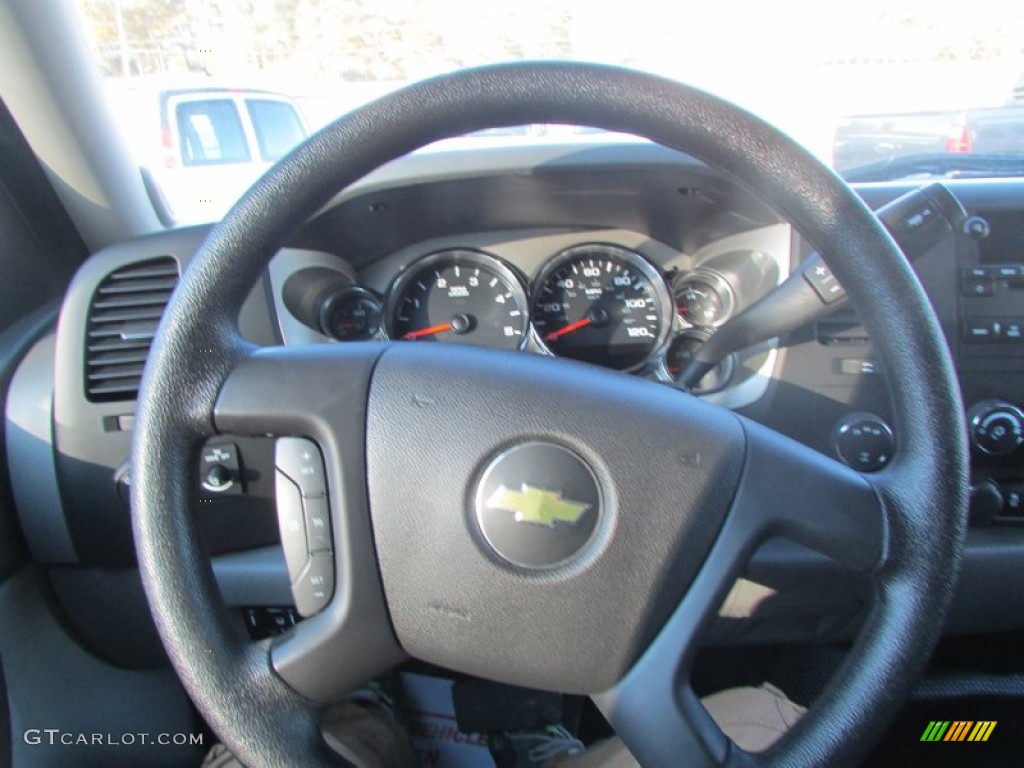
[917, 221]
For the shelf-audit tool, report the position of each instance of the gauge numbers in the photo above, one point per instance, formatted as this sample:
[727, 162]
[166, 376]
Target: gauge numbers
[602, 304]
[461, 296]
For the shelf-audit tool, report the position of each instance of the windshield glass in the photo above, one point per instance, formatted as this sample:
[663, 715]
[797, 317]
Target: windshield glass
[209, 93]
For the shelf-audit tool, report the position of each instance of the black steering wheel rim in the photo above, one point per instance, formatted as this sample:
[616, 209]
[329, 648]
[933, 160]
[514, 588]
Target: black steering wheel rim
[198, 347]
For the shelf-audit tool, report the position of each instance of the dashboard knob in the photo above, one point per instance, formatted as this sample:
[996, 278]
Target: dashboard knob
[996, 427]
[218, 478]
[977, 227]
[864, 441]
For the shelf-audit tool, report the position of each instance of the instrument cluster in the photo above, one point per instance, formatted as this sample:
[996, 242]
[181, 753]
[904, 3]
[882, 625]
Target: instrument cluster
[597, 302]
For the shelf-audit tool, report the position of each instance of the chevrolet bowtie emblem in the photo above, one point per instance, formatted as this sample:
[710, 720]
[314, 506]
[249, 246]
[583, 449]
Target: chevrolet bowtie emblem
[537, 506]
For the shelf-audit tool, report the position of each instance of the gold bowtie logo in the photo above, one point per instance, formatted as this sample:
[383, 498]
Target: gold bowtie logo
[537, 506]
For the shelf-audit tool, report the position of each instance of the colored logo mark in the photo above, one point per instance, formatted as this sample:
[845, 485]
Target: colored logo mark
[537, 506]
[958, 730]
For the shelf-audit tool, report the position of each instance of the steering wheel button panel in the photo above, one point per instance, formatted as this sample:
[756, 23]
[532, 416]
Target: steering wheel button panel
[318, 524]
[300, 460]
[291, 524]
[864, 441]
[315, 585]
[304, 519]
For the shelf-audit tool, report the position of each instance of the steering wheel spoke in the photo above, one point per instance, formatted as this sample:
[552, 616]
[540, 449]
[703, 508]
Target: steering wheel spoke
[786, 490]
[313, 399]
[664, 723]
[794, 492]
[653, 708]
[311, 390]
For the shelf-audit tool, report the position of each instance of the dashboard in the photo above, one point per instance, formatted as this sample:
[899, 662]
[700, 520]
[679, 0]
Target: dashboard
[625, 256]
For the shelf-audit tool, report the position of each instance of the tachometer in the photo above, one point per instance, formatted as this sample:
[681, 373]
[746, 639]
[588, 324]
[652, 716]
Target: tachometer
[602, 304]
[461, 296]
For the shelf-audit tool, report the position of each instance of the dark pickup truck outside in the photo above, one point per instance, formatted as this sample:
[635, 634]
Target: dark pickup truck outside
[863, 140]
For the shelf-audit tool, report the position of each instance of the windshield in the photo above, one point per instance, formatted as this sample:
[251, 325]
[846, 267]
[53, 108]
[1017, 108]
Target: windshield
[208, 94]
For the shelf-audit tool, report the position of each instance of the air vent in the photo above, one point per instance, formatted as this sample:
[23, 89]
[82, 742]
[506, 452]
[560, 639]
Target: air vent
[123, 316]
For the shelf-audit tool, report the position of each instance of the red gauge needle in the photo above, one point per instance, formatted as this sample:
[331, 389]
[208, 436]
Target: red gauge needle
[568, 329]
[439, 328]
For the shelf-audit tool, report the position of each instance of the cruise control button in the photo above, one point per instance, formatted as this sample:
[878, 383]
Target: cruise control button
[300, 460]
[220, 470]
[313, 589]
[218, 479]
[318, 524]
[290, 522]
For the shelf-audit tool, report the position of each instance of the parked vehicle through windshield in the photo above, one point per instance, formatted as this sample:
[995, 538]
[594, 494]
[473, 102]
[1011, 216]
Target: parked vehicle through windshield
[857, 85]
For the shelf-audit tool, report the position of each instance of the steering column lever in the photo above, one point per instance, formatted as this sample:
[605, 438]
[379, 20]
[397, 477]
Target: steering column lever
[916, 220]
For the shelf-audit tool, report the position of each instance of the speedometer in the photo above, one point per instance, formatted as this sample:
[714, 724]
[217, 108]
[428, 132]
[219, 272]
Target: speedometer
[602, 304]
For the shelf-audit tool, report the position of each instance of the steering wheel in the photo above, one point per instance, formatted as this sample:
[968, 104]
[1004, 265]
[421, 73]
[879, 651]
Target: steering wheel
[676, 494]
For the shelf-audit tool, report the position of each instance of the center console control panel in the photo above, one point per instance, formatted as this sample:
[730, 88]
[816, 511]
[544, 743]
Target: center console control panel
[977, 290]
[992, 304]
[990, 360]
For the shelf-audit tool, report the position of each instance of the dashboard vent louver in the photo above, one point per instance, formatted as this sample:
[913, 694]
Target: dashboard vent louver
[123, 317]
